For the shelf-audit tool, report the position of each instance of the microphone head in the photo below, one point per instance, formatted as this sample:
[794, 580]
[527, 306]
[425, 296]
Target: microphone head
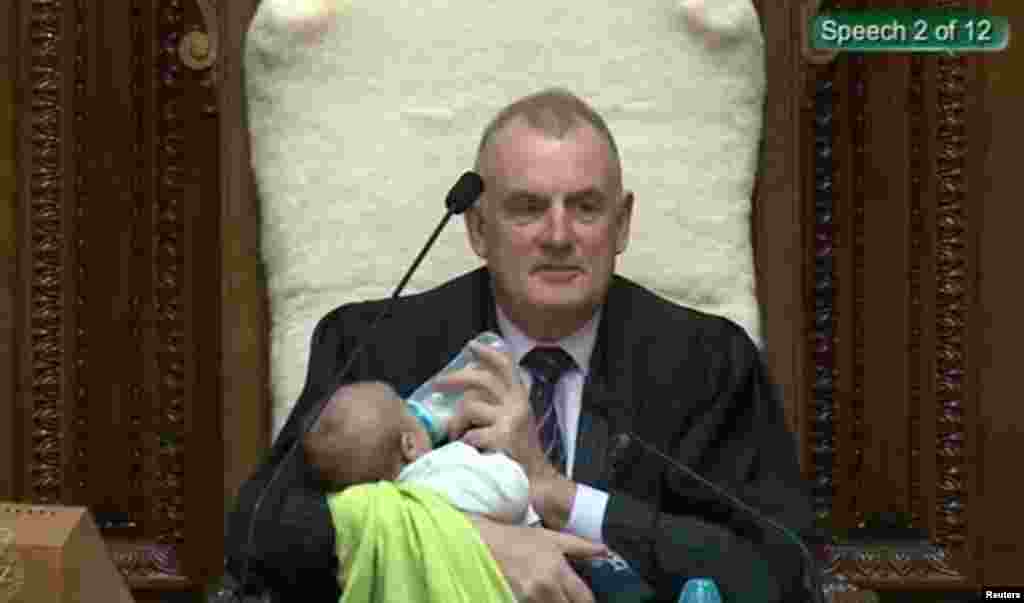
[465, 192]
[621, 442]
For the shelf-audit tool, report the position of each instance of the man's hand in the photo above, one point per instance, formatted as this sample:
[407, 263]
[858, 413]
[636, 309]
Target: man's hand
[535, 563]
[495, 412]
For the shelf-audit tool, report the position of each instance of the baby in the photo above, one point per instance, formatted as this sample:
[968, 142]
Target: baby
[366, 434]
[365, 438]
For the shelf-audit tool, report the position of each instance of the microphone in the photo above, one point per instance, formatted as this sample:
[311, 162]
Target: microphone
[461, 197]
[622, 442]
[619, 445]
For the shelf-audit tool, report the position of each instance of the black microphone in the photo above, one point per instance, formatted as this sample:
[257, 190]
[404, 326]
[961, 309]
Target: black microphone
[622, 441]
[461, 197]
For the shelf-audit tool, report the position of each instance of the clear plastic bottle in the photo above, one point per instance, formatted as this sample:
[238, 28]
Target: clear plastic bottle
[700, 590]
[434, 408]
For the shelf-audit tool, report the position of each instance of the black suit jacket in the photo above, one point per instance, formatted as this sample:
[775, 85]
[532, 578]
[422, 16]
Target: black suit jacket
[689, 383]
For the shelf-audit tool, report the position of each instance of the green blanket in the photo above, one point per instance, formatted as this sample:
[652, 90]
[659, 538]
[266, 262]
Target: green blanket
[400, 542]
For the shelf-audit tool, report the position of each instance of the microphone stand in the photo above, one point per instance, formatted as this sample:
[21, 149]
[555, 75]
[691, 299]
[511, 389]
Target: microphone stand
[461, 197]
[812, 581]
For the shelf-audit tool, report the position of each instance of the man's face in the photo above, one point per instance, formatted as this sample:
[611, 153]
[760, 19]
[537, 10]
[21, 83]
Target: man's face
[551, 222]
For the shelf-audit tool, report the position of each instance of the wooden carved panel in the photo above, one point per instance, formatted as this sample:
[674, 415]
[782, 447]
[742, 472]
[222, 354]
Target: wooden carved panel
[118, 240]
[168, 245]
[821, 431]
[892, 403]
[953, 277]
[46, 326]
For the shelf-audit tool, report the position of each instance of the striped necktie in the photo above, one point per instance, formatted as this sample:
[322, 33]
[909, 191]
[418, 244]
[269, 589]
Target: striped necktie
[547, 365]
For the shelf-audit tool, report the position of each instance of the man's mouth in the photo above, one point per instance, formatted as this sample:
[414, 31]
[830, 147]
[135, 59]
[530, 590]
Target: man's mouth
[554, 268]
[557, 273]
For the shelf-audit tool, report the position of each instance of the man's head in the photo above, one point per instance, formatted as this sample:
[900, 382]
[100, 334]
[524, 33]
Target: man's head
[553, 215]
[365, 434]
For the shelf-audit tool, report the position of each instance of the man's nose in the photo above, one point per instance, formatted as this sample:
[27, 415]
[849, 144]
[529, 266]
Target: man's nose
[558, 231]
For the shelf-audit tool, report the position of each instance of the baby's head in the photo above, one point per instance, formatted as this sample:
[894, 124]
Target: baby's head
[365, 434]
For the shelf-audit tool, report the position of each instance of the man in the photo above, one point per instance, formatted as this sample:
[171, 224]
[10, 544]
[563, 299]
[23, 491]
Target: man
[552, 219]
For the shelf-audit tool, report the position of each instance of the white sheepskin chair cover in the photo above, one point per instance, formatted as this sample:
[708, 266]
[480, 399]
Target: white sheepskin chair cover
[364, 112]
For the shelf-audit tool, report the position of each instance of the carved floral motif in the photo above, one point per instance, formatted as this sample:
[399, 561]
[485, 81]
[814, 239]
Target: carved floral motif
[822, 427]
[146, 561]
[169, 257]
[49, 276]
[951, 303]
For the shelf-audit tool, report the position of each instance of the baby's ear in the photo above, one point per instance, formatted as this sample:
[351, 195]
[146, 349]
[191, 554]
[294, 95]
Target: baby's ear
[409, 451]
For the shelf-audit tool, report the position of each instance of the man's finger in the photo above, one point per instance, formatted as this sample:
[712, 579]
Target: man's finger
[574, 547]
[544, 591]
[481, 438]
[574, 589]
[471, 413]
[499, 362]
[473, 377]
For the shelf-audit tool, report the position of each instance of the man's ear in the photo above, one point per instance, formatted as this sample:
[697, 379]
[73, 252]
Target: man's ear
[474, 217]
[624, 219]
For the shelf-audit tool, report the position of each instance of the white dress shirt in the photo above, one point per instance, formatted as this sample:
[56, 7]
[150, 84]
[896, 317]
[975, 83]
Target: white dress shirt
[587, 514]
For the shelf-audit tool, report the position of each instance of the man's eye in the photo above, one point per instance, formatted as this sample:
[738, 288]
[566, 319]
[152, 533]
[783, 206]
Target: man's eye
[528, 206]
[589, 210]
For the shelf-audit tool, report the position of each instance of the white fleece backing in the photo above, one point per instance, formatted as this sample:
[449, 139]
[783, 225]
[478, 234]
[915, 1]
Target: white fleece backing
[363, 114]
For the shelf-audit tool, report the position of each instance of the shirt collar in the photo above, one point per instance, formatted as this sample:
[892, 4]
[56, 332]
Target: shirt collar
[579, 345]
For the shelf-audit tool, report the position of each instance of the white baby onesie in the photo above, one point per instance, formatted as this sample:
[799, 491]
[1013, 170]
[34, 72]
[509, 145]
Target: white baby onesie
[485, 483]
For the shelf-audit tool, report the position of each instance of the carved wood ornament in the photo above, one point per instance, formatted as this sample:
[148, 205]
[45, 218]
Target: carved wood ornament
[67, 213]
[939, 251]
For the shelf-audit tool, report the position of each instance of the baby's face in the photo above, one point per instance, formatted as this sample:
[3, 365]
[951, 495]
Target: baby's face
[391, 428]
[365, 434]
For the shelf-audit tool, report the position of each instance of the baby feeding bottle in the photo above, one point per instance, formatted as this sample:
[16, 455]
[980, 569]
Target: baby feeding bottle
[433, 407]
